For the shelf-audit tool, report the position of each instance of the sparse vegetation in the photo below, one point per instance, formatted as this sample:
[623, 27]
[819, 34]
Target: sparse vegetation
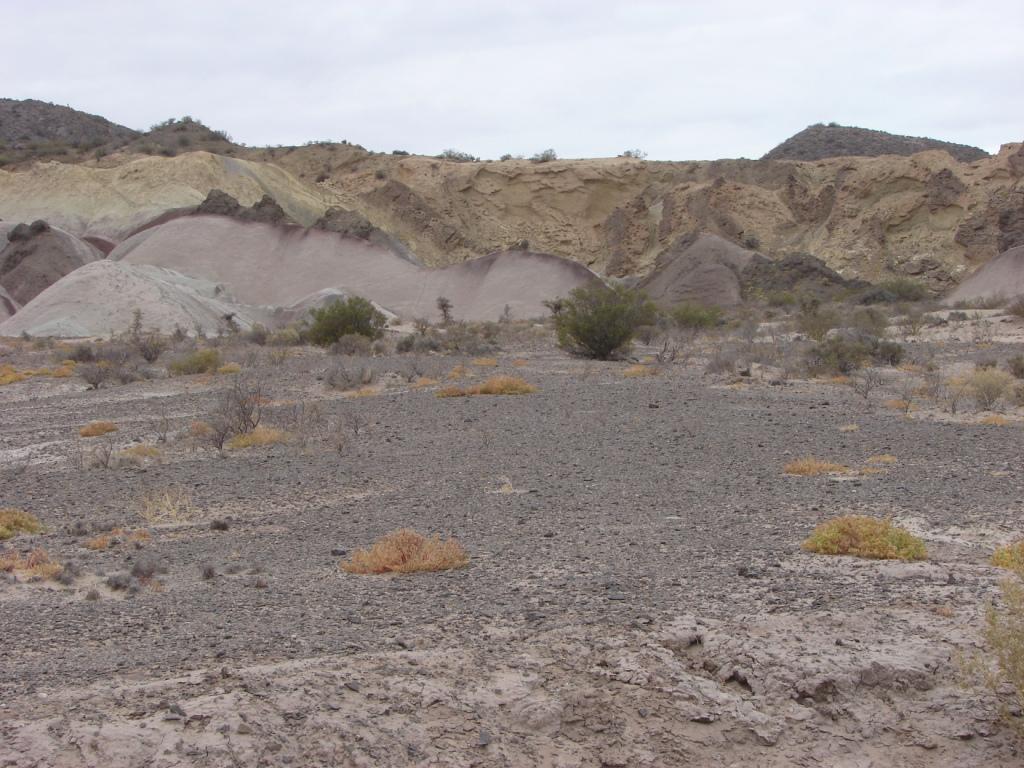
[258, 437]
[863, 536]
[496, 385]
[15, 521]
[988, 385]
[168, 505]
[406, 551]
[37, 565]
[97, 428]
[200, 361]
[355, 315]
[693, 316]
[600, 321]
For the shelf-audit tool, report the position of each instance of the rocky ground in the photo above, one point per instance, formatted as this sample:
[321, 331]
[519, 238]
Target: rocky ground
[636, 596]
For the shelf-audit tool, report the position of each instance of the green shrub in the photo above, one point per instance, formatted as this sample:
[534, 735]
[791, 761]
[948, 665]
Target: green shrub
[599, 321]
[351, 344]
[200, 361]
[904, 289]
[694, 316]
[815, 322]
[340, 318]
[869, 320]
[840, 354]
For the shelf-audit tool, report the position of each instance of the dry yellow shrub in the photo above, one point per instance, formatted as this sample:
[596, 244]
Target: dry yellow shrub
[229, 368]
[97, 428]
[882, 458]
[862, 536]
[485, 362]
[15, 521]
[258, 437]
[406, 551]
[169, 505]
[1010, 557]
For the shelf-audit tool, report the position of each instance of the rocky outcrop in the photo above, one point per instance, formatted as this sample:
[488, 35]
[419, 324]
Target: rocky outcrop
[36, 255]
[817, 142]
[265, 210]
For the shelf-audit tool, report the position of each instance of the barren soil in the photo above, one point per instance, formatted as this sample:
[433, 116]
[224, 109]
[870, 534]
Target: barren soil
[636, 595]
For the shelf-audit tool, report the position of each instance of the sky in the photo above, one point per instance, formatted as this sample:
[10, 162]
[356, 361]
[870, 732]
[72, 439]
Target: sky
[677, 80]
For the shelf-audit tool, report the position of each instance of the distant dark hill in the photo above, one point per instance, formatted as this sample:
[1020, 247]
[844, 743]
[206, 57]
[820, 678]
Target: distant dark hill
[28, 122]
[819, 141]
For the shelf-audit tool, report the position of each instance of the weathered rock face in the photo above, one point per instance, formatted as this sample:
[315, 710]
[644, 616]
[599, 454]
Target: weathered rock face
[928, 215]
[817, 142]
[34, 256]
[265, 210]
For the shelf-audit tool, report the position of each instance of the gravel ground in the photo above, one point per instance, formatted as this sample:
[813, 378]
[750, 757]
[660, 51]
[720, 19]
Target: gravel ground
[636, 593]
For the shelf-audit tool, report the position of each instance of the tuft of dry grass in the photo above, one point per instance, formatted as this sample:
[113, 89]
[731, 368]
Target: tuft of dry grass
[638, 370]
[456, 373]
[485, 362]
[141, 451]
[995, 420]
[496, 385]
[258, 437]
[98, 543]
[97, 428]
[169, 505]
[37, 565]
[199, 430]
[849, 428]
[520, 363]
[882, 458]
[116, 536]
[1010, 557]
[229, 368]
[809, 466]
[863, 536]
[406, 551]
[15, 521]
[424, 381]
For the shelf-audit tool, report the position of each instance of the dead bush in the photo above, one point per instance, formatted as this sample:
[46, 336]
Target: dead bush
[406, 551]
[988, 386]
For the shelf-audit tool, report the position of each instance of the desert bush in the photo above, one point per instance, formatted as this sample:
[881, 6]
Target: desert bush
[355, 315]
[862, 536]
[15, 521]
[1010, 556]
[815, 321]
[169, 505]
[351, 344]
[599, 321]
[1004, 631]
[904, 289]
[229, 368]
[869, 320]
[810, 466]
[444, 306]
[693, 316]
[496, 385]
[988, 386]
[1016, 308]
[351, 375]
[545, 156]
[97, 428]
[257, 335]
[458, 156]
[81, 353]
[406, 551]
[722, 360]
[200, 361]
[844, 354]
[150, 347]
[285, 337]
[1015, 365]
[94, 374]
[37, 564]
[260, 436]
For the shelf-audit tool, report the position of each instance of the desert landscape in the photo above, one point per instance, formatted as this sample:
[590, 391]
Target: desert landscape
[322, 456]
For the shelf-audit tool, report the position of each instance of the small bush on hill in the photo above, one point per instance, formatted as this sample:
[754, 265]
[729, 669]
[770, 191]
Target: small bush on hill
[600, 321]
[355, 315]
[988, 386]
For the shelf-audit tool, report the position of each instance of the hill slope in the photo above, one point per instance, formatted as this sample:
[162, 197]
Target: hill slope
[819, 141]
[33, 122]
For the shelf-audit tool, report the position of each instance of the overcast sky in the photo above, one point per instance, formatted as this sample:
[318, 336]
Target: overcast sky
[679, 80]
